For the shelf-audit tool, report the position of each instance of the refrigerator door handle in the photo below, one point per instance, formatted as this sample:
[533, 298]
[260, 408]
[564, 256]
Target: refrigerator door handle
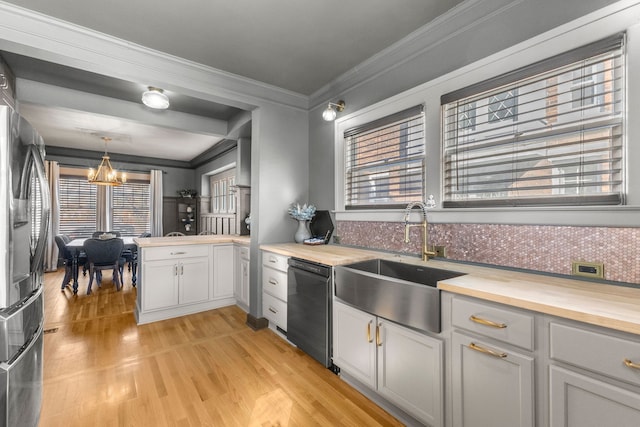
[41, 176]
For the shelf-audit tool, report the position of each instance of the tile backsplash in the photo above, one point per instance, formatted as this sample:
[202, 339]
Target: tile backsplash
[534, 247]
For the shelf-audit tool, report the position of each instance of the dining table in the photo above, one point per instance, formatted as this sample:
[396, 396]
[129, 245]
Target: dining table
[75, 247]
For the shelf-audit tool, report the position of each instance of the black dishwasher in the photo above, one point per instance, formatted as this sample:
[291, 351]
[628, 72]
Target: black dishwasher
[309, 308]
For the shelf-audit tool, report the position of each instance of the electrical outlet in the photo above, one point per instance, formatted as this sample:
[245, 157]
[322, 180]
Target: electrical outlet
[588, 269]
[441, 251]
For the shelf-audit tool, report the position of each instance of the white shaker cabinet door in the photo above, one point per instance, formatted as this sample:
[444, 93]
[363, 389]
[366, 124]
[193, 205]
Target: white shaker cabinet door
[194, 280]
[161, 284]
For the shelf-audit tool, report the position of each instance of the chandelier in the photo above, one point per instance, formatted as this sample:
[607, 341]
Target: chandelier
[106, 174]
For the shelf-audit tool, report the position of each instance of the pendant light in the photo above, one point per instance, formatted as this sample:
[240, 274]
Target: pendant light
[106, 174]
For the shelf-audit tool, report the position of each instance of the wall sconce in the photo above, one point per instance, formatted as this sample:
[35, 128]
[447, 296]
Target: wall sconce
[330, 114]
[155, 98]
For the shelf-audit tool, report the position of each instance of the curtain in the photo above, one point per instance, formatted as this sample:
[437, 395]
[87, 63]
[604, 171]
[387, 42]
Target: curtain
[51, 250]
[156, 202]
[104, 202]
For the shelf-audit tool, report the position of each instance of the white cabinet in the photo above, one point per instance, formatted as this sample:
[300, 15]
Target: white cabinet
[178, 276]
[176, 280]
[400, 364]
[579, 398]
[241, 289]
[274, 290]
[223, 271]
[492, 383]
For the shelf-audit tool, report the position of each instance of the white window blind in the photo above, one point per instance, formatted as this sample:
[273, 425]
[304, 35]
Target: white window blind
[131, 208]
[77, 206]
[384, 161]
[547, 134]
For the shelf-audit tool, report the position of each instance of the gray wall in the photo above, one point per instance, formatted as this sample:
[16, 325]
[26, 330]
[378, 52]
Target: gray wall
[480, 29]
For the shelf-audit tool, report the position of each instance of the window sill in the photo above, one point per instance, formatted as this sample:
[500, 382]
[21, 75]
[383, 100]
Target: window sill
[597, 216]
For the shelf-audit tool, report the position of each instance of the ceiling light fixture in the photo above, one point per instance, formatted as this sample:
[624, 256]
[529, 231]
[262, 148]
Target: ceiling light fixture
[330, 114]
[155, 98]
[106, 174]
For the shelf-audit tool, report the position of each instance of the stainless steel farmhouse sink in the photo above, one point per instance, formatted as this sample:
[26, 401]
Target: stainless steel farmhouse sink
[403, 293]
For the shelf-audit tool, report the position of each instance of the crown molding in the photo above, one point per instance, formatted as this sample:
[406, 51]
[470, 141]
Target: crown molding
[463, 18]
[37, 35]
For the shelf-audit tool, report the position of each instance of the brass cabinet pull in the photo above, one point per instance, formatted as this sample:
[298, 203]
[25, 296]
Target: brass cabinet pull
[178, 253]
[486, 322]
[369, 331]
[272, 310]
[273, 282]
[378, 340]
[273, 260]
[631, 364]
[494, 353]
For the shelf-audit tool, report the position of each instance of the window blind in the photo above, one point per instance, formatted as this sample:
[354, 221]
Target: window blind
[131, 208]
[77, 206]
[548, 134]
[384, 161]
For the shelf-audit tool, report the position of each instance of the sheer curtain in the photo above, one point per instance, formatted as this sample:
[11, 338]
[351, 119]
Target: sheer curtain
[155, 191]
[51, 250]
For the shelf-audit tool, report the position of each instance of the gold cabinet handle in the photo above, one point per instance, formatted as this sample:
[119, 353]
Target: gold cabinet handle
[272, 310]
[486, 322]
[273, 282]
[490, 352]
[631, 364]
[369, 331]
[378, 339]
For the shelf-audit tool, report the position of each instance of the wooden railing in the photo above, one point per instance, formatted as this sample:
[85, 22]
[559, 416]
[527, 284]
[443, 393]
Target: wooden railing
[218, 223]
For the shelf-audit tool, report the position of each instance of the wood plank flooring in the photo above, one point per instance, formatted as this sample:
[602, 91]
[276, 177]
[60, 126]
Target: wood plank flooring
[207, 369]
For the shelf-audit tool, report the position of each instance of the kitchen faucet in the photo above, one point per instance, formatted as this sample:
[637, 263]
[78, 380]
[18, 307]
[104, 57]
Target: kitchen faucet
[426, 253]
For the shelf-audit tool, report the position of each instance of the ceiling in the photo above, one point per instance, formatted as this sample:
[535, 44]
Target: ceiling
[300, 46]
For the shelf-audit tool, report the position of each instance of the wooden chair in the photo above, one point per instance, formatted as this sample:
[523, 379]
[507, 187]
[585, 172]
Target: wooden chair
[104, 254]
[174, 234]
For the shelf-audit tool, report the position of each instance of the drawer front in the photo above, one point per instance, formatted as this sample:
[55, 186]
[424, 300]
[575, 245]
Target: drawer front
[596, 352]
[244, 252]
[275, 261]
[274, 282]
[510, 326]
[171, 252]
[275, 310]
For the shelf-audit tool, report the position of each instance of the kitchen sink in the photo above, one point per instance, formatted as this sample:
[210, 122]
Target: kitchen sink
[400, 292]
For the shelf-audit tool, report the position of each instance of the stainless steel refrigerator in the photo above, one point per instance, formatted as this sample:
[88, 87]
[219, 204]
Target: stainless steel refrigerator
[24, 219]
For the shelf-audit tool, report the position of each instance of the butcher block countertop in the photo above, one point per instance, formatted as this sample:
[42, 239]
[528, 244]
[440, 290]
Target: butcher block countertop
[611, 306]
[150, 242]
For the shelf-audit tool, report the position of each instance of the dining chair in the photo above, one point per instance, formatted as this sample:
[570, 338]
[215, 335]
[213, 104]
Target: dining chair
[67, 258]
[174, 234]
[104, 254]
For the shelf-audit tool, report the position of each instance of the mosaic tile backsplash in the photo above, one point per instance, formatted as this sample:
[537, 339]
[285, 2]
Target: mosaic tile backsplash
[534, 247]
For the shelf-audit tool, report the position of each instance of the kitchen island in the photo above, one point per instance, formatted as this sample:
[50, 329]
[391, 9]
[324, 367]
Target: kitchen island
[186, 274]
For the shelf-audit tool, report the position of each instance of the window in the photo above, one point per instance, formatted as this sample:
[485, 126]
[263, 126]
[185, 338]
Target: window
[129, 208]
[222, 186]
[77, 205]
[547, 134]
[384, 161]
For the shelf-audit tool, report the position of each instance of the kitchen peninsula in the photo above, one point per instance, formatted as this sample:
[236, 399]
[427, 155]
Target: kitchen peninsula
[187, 274]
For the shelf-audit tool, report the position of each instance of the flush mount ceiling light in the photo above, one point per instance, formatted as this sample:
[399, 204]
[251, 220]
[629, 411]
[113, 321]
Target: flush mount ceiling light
[155, 98]
[330, 114]
[106, 174]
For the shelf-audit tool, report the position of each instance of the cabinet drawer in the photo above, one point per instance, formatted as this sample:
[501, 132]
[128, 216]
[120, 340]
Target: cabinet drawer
[170, 252]
[509, 326]
[244, 252]
[274, 282]
[275, 310]
[278, 262]
[595, 351]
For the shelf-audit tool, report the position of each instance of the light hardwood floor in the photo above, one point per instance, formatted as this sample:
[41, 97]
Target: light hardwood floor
[207, 369]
